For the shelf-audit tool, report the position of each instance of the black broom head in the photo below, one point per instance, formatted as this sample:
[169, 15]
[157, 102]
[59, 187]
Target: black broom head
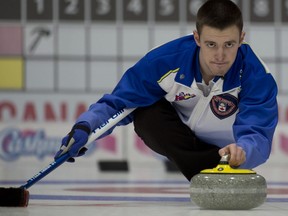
[14, 197]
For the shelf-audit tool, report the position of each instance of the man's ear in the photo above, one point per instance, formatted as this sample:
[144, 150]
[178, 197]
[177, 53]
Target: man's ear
[196, 37]
[242, 37]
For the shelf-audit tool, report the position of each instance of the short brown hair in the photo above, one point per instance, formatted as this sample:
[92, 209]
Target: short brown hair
[219, 14]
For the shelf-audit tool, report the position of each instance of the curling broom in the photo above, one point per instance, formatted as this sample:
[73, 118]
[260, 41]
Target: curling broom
[19, 197]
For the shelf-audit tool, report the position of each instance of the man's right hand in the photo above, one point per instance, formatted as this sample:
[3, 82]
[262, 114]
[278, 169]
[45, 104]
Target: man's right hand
[74, 142]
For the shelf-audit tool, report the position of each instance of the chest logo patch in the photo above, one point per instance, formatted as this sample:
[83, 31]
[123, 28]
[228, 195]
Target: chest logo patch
[184, 96]
[224, 105]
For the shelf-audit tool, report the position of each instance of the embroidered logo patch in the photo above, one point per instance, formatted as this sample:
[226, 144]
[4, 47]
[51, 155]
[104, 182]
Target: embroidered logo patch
[184, 96]
[224, 105]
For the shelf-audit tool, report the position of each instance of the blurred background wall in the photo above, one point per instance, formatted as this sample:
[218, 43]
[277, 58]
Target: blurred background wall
[59, 56]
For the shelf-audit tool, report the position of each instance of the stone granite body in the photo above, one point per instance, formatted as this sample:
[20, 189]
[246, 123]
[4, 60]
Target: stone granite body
[227, 191]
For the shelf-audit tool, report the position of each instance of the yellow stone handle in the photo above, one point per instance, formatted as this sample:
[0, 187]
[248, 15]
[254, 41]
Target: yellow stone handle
[224, 167]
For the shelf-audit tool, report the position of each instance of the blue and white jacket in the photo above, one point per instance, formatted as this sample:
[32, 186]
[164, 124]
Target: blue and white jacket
[240, 108]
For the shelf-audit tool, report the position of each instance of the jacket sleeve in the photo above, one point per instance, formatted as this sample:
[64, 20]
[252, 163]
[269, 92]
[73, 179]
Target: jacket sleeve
[138, 87]
[258, 116]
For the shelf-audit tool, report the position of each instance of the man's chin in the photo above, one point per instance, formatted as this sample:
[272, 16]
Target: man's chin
[220, 74]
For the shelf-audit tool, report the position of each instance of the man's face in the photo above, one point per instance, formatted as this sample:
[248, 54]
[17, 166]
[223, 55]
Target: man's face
[218, 49]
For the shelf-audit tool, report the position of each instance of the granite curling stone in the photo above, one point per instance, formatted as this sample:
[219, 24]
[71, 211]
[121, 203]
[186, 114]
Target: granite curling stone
[225, 188]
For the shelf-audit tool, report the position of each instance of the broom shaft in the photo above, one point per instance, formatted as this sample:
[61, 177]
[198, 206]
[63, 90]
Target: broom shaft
[99, 131]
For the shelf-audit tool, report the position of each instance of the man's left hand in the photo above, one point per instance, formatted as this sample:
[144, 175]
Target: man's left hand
[237, 154]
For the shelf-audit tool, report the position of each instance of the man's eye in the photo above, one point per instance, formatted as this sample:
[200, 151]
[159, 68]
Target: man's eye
[210, 45]
[229, 45]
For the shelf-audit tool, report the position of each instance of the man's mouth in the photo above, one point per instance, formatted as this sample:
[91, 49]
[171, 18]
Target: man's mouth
[219, 63]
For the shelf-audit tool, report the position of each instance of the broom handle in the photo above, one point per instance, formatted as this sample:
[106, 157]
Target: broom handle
[99, 131]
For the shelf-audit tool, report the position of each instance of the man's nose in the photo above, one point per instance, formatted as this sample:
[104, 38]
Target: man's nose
[220, 54]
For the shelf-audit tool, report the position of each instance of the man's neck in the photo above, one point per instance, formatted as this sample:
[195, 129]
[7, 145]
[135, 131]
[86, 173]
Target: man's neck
[206, 78]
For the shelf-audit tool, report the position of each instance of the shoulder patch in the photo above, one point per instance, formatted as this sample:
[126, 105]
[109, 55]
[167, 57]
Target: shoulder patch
[184, 96]
[224, 105]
